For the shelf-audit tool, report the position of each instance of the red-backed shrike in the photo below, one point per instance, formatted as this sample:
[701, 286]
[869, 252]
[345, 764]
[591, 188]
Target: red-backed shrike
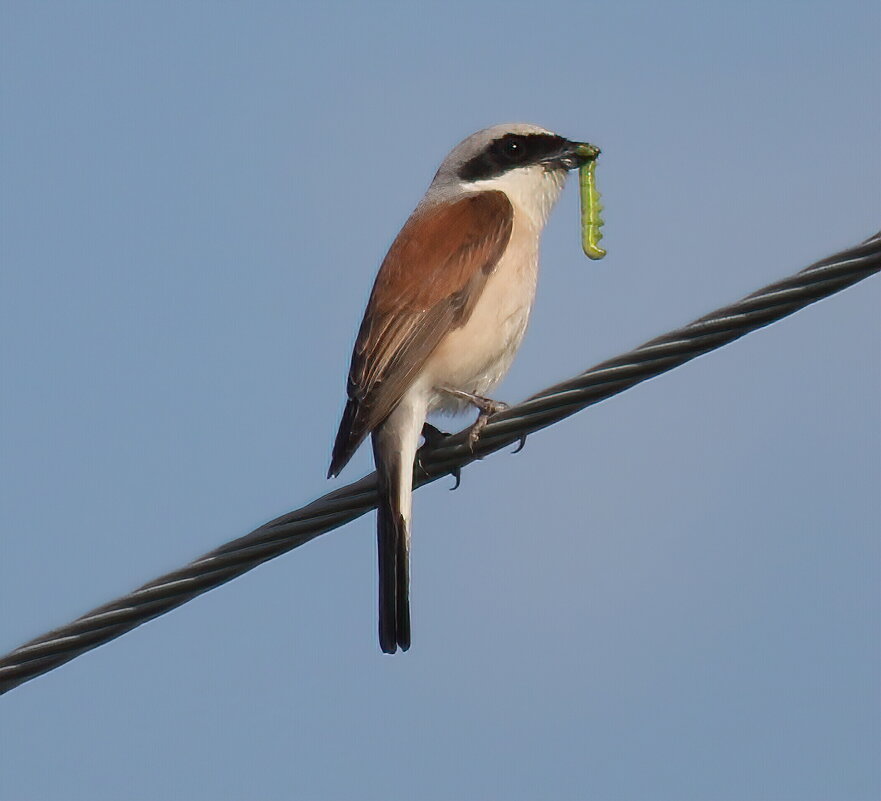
[446, 315]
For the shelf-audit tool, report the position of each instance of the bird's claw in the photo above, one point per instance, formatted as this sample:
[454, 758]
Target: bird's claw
[432, 437]
[487, 409]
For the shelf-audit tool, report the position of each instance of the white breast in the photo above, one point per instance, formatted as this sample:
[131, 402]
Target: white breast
[476, 357]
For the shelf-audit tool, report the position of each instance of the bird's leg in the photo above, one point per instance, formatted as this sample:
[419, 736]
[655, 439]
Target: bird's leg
[485, 406]
[432, 437]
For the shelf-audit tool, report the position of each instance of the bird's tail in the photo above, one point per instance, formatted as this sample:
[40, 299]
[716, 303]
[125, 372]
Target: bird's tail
[394, 450]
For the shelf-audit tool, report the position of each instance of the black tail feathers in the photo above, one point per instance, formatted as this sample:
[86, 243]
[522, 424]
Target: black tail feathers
[394, 569]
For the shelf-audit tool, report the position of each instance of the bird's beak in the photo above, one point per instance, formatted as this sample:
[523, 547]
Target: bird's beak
[574, 154]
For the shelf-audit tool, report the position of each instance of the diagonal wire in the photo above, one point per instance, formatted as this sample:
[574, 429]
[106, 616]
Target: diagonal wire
[333, 510]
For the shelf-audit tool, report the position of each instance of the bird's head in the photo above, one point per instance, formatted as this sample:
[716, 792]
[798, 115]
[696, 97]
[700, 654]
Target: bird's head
[527, 162]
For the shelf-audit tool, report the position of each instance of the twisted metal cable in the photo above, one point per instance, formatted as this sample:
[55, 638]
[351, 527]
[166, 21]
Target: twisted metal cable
[333, 510]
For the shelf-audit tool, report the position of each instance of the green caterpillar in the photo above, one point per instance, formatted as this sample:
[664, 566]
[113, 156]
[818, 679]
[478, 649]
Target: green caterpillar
[591, 222]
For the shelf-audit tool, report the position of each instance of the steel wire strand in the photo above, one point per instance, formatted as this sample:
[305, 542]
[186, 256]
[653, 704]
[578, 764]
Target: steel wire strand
[345, 504]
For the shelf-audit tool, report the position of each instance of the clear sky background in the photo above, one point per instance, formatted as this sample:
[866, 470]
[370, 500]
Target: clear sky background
[673, 595]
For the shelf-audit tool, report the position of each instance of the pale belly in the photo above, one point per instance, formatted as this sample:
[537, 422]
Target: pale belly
[475, 357]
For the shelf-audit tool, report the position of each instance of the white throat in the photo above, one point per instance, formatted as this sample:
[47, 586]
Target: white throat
[533, 189]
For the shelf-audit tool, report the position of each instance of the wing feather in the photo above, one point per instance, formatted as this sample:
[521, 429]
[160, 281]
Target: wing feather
[427, 286]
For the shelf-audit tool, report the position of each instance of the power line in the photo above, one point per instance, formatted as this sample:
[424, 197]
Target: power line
[296, 528]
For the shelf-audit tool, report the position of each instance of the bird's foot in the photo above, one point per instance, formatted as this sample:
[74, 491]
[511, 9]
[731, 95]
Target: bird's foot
[431, 438]
[486, 408]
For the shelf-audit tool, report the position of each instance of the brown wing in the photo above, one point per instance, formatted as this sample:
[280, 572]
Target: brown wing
[427, 286]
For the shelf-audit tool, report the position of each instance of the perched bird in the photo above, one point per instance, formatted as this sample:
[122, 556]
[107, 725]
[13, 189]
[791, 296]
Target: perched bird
[446, 315]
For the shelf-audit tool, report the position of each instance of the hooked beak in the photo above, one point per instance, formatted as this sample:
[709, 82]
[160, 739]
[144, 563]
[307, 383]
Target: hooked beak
[573, 155]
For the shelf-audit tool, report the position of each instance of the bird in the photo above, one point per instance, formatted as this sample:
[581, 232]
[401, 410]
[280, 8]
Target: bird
[446, 315]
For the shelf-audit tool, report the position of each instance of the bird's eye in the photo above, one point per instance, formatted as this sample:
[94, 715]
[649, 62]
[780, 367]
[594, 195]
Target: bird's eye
[513, 148]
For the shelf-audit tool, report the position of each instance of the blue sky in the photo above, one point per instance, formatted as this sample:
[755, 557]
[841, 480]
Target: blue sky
[673, 595]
